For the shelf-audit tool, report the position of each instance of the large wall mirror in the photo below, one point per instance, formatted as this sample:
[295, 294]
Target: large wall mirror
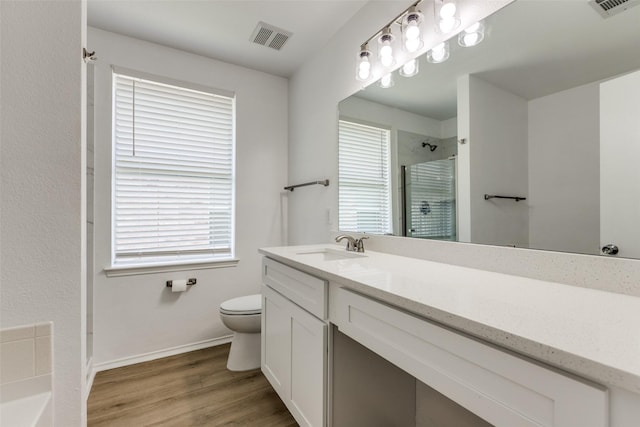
[544, 113]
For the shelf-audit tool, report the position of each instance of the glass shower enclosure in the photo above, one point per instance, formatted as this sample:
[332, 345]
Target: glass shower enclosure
[429, 200]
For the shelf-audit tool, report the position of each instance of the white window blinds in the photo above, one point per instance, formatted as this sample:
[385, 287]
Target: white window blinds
[364, 178]
[173, 173]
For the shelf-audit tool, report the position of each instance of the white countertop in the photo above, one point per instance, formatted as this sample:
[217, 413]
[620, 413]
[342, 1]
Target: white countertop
[592, 333]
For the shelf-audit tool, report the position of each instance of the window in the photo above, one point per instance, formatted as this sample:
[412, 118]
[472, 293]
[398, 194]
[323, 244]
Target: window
[364, 178]
[173, 181]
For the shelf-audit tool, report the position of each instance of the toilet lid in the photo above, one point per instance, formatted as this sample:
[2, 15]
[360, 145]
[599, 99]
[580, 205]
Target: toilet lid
[251, 304]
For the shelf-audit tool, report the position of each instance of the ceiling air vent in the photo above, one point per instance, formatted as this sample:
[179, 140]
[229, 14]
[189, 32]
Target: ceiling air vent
[608, 8]
[270, 36]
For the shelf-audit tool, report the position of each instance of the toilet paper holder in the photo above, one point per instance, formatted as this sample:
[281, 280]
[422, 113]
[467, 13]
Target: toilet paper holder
[190, 282]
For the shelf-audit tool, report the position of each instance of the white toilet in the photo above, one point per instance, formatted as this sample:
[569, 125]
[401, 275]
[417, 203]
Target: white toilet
[242, 316]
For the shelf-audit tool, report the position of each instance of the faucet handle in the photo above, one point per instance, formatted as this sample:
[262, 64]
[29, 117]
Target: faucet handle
[351, 242]
[360, 244]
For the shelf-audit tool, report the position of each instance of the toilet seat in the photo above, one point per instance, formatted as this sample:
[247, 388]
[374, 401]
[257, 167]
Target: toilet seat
[250, 304]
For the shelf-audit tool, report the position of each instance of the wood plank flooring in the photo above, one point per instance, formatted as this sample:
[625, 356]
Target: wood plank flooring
[190, 389]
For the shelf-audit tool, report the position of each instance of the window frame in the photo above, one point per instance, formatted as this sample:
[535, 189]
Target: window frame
[178, 262]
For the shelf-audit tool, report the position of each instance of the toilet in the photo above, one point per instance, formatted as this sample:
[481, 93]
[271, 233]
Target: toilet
[242, 316]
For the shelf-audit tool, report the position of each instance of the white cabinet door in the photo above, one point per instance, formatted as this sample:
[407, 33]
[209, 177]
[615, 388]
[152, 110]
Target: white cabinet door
[294, 357]
[308, 368]
[276, 343]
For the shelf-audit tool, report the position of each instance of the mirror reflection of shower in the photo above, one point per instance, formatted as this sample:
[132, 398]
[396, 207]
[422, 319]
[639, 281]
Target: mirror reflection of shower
[427, 143]
[427, 173]
[429, 201]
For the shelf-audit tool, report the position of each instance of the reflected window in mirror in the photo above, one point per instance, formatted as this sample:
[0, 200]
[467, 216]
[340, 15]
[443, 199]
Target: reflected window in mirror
[364, 178]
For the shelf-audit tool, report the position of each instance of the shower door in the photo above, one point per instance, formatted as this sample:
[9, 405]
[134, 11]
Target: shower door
[430, 200]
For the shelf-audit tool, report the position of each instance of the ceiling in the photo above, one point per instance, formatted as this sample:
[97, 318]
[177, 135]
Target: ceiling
[222, 29]
[532, 48]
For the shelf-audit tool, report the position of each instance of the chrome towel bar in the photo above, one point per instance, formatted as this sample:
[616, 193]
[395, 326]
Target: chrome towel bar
[492, 196]
[324, 182]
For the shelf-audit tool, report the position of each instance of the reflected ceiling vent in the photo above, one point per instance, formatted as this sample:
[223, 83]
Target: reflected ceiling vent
[270, 36]
[608, 8]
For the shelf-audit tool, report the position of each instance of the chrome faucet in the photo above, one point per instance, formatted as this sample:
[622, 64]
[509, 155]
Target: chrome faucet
[360, 244]
[353, 244]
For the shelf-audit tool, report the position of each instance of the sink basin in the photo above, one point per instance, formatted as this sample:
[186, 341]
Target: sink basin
[327, 254]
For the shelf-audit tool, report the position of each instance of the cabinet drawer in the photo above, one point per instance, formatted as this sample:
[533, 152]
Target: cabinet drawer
[305, 290]
[504, 389]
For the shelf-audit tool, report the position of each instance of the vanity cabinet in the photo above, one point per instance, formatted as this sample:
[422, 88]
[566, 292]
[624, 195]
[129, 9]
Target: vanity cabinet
[389, 322]
[294, 340]
[504, 389]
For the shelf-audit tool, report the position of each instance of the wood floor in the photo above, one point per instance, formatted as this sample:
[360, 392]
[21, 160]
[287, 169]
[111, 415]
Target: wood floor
[191, 389]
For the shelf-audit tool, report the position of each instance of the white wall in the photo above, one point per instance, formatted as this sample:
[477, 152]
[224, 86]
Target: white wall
[392, 118]
[42, 254]
[564, 177]
[411, 151]
[463, 162]
[497, 150]
[138, 315]
[450, 128]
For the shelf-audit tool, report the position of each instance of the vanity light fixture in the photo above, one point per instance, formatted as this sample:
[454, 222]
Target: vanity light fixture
[446, 15]
[411, 32]
[410, 68]
[438, 53]
[409, 23]
[472, 35]
[363, 71]
[386, 81]
[385, 51]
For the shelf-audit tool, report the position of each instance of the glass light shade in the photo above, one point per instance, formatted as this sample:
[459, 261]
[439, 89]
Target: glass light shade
[439, 53]
[386, 81]
[447, 25]
[446, 15]
[387, 61]
[410, 68]
[411, 23]
[386, 55]
[413, 45]
[448, 9]
[385, 50]
[363, 70]
[472, 35]
[411, 32]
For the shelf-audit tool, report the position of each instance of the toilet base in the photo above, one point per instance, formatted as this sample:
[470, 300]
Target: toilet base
[244, 354]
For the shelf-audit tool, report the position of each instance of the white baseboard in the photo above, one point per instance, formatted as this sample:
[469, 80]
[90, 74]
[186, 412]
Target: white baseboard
[91, 375]
[131, 360]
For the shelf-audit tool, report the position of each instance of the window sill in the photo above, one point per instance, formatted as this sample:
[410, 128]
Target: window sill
[132, 270]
